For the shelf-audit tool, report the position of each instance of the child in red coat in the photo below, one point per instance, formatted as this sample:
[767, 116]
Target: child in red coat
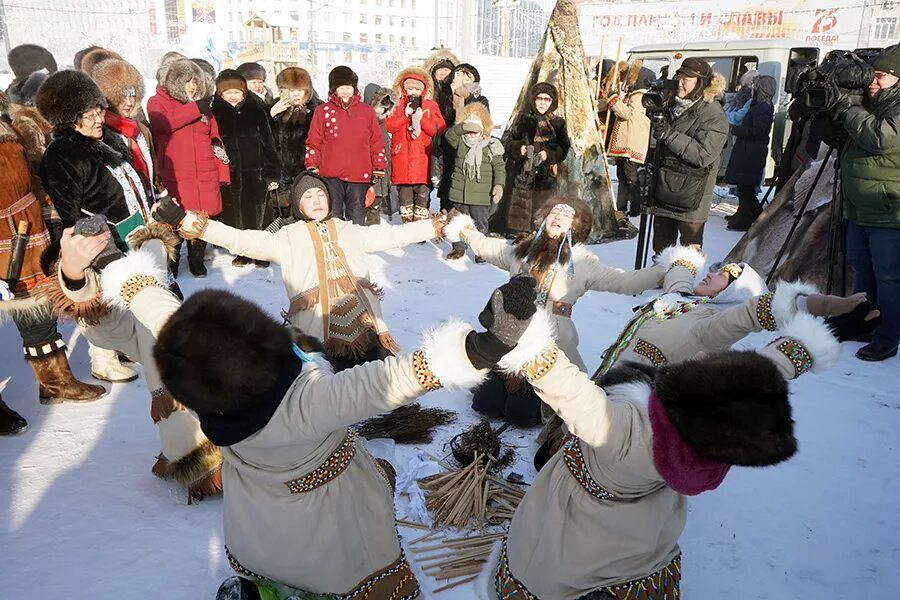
[413, 125]
[345, 146]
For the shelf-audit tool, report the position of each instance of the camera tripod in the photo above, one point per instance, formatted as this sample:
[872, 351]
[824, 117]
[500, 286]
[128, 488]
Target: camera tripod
[836, 247]
[647, 176]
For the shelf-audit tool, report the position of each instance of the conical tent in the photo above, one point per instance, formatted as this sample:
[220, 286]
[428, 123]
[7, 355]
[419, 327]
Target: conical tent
[560, 61]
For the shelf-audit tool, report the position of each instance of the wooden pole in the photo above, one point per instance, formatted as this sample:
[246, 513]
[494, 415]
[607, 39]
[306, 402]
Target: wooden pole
[614, 81]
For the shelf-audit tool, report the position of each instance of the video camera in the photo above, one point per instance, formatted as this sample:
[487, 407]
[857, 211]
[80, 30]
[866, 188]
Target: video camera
[818, 88]
[657, 97]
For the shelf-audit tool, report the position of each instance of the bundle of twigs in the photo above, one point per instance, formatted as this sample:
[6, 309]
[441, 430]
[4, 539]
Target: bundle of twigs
[482, 439]
[459, 495]
[460, 558]
[410, 424]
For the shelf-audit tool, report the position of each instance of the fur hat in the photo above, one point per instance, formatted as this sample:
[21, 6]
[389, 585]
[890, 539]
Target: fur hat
[230, 79]
[66, 95]
[294, 78]
[581, 224]
[731, 407]
[178, 74]
[117, 79]
[76, 60]
[22, 91]
[25, 59]
[479, 110]
[467, 68]
[442, 57]
[304, 182]
[218, 351]
[164, 64]
[544, 87]
[96, 56]
[419, 74]
[342, 75]
[251, 70]
[383, 100]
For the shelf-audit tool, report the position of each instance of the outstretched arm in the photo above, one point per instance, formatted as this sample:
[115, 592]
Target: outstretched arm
[377, 238]
[496, 251]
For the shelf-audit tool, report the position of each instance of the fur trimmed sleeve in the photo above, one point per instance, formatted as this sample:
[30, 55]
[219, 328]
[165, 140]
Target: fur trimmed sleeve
[807, 345]
[496, 251]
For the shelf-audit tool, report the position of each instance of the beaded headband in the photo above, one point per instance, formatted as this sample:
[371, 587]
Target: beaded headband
[732, 269]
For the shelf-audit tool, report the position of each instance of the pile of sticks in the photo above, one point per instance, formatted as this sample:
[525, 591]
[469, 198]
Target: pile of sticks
[456, 560]
[457, 496]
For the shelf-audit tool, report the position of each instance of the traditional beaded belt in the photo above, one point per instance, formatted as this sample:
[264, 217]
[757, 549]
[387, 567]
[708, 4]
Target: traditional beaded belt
[333, 466]
[650, 352]
[506, 585]
[574, 459]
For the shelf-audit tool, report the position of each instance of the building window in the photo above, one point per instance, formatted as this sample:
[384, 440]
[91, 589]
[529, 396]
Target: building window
[363, 18]
[403, 23]
[378, 38]
[364, 38]
[403, 40]
[363, 57]
[348, 57]
[391, 38]
[412, 4]
[348, 38]
[885, 28]
[378, 19]
[329, 37]
[393, 20]
[412, 42]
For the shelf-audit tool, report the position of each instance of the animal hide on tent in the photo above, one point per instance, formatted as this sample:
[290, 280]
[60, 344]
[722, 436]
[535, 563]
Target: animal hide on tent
[807, 254]
[560, 61]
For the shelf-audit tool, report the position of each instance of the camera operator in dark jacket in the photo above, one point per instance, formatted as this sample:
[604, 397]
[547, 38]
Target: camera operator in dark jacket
[691, 142]
[870, 176]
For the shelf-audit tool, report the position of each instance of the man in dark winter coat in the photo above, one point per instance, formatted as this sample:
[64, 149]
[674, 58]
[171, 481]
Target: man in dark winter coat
[291, 114]
[254, 164]
[870, 178]
[748, 157]
[690, 141]
[345, 146]
[536, 143]
[31, 65]
[255, 75]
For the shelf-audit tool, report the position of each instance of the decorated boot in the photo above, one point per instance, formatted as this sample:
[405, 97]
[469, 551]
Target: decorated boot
[56, 384]
[106, 366]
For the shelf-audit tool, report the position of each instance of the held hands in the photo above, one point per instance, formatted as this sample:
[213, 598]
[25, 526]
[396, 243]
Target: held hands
[506, 317]
[169, 212]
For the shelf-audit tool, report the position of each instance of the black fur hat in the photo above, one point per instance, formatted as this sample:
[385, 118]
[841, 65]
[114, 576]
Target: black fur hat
[218, 352]
[471, 70]
[66, 95]
[23, 91]
[342, 75]
[543, 87]
[251, 70]
[731, 407]
[25, 59]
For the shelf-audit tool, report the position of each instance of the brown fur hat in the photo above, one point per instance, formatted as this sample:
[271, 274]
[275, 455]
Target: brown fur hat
[420, 75]
[581, 224]
[544, 87]
[164, 64]
[66, 95]
[230, 79]
[731, 407]
[480, 110]
[32, 129]
[117, 78]
[178, 73]
[93, 58]
[25, 59]
[294, 78]
[76, 60]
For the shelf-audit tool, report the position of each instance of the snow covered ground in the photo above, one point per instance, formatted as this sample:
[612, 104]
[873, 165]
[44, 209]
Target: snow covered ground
[81, 516]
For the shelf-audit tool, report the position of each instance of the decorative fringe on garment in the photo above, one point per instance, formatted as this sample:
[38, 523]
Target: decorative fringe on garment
[200, 471]
[88, 311]
[410, 424]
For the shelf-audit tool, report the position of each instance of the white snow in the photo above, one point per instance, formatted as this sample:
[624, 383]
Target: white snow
[83, 517]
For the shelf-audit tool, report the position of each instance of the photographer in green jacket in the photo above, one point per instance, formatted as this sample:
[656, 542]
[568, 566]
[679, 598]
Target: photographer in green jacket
[870, 174]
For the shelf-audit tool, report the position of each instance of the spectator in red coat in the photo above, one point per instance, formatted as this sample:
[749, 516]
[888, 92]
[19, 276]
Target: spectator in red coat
[413, 125]
[189, 150]
[345, 146]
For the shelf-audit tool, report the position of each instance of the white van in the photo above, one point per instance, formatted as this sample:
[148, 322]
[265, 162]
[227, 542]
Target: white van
[783, 59]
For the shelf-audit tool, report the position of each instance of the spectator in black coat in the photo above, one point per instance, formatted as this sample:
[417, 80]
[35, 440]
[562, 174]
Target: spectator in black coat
[751, 148]
[253, 161]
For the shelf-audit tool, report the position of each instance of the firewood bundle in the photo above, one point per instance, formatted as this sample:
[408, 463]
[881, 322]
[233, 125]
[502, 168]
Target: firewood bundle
[457, 496]
[456, 560]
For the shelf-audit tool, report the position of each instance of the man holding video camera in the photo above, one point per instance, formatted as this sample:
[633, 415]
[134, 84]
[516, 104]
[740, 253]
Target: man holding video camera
[690, 141]
[870, 175]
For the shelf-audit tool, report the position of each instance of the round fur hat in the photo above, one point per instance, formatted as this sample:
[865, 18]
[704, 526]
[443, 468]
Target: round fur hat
[342, 75]
[218, 351]
[25, 59]
[731, 407]
[117, 79]
[178, 74]
[544, 87]
[164, 63]
[22, 91]
[581, 224]
[93, 58]
[76, 60]
[294, 78]
[67, 94]
[252, 70]
[230, 79]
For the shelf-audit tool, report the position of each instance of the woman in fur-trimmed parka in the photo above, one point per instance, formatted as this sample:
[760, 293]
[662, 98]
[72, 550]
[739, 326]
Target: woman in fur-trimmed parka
[565, 271]
[604, 516]
[536, 143]
[308, 511]
[412, 131]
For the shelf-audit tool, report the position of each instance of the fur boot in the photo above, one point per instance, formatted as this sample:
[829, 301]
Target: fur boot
[56, 384]
[105, 366]
[11, 422]
[196, 253]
